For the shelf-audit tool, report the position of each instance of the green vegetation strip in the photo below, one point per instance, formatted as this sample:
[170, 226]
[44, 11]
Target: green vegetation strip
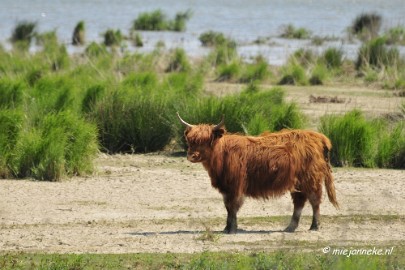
[281, 259]
[58, 110]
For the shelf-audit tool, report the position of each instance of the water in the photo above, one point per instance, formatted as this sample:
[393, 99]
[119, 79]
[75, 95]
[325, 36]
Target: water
[242, 20]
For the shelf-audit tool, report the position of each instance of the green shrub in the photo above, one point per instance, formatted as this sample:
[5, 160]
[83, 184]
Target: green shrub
[48, 41]
[78, 37]
[53, 94]
[294, 74]
[149, 128]
[60, 60]
[224, 49]
[230, 72]
[333, 58]
[255, 72]
[136, 39]
[250, 112]
[212, 39]
[179, 62]
[395, 36]
[132, 119]
[289, 31]
[23, 32]
[319, 75]
[26, 154]
[61, 145]
[157, 21]
[224, 54]
[303, 57]
[33, 76]
[96, 50]
[11, 93]
[180, 20]
[11, 123]
[376, 54]
[92, 95]
[181, 85]
[366, 25]
[142, 82]
[391, 148]
[151, 21]
[353, 139]
[112, 38]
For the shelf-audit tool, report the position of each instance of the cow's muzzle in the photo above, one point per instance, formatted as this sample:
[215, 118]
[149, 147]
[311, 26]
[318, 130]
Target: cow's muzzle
[194, 157]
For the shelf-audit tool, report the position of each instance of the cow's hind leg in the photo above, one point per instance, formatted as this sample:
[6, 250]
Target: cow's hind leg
[232, 205]
[299, 200]
[315, 200]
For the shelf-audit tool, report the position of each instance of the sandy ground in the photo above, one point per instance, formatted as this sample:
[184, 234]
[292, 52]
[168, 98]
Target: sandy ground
[163, 203]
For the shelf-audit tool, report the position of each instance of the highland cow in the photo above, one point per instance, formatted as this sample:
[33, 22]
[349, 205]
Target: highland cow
[269, 165]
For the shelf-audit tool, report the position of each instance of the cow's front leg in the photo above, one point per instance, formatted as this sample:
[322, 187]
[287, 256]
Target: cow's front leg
[232, 205]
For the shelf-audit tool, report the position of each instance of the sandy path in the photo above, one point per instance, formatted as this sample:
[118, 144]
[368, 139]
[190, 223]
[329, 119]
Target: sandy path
[157, 203]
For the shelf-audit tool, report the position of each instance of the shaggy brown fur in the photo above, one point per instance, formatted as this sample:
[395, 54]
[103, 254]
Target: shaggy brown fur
[269, 165]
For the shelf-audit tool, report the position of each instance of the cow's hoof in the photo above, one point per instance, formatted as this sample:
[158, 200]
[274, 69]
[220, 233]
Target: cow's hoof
[230, 230]
[314, 228]
[290, 229]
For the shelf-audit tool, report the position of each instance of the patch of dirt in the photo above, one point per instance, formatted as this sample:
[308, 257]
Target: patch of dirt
[329, 99]
[161, 203]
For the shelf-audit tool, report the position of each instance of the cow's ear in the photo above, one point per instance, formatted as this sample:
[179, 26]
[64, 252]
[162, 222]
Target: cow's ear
[187, 130]
[218, 133]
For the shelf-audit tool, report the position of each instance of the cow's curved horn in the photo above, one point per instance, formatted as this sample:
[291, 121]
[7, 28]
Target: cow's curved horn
[221, 124]
[184, 122]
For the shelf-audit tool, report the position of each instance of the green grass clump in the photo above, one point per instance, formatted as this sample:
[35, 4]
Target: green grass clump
[11, 93]
[136, 39]
[23, 32]
[251, 112]
[224, 54]
[61, 145]
[395, 36]
[391, 148]
[11, 122]
[230, 72]
[353, 139]
[255, 72]
[333, 58]
[95, 50]
[366, 25]
[183, 86]
[48, 41]
[212, 39]
[293, 74]
[151, 21]
[157, 21]
[113, 38]
[224, 49]
[319, 74]
[290, 32]
[53, 94]
[179, 24]
[376, 54]
[133, 117]
[79, 34]
[368, 143]
[178, 62]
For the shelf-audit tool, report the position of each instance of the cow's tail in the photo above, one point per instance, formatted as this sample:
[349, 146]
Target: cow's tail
[329, 184]
[330, 189]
